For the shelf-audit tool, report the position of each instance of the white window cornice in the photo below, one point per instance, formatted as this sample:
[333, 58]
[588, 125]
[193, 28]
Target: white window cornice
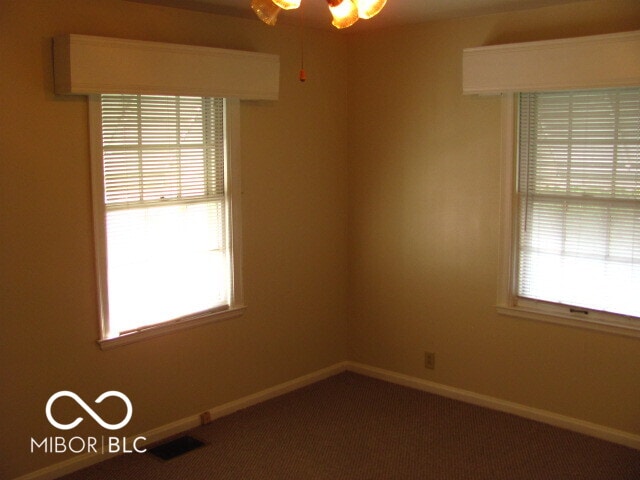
[589, 62]
[85, 65]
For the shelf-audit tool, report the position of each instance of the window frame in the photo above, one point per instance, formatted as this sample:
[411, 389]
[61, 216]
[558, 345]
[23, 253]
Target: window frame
[236, 305]
[508, 302]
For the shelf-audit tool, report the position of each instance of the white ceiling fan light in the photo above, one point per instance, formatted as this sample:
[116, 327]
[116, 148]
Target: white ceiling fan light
[369, 8]
[344, 12]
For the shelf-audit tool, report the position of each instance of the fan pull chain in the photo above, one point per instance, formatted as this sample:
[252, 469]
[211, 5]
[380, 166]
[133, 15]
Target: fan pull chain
[302, 76]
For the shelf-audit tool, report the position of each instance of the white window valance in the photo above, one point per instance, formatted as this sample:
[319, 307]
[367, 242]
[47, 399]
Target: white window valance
[85, 65]
[598, 61]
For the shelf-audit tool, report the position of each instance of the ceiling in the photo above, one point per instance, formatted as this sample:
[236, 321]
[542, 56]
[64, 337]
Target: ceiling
[396, 12]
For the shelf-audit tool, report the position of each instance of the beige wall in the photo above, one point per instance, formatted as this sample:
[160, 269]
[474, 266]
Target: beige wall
[424, 180]
[294, 221]
[420, 200]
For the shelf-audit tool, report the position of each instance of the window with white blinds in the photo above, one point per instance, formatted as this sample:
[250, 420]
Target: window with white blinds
[579, 200]
[165, 210]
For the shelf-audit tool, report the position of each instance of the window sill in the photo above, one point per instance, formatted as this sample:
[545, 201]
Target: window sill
[614, 324]
[170, 327]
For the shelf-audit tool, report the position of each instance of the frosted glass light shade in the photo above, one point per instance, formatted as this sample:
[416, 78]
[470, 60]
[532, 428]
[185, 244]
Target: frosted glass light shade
[266, 11]
[287, 4]
[369, 8]
[344, 12]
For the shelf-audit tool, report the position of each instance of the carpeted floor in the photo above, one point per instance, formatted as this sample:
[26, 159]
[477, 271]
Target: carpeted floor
[353, 427]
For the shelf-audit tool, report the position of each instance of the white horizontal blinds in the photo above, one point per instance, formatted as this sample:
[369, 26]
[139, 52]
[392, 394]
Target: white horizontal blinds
[159, 148]
[579, 186]
[164, 165]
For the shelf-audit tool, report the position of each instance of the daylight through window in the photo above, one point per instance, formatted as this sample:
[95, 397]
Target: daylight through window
[579, 199]
[165, 209]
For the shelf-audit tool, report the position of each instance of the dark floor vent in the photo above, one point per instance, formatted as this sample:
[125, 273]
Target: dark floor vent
[176, 447]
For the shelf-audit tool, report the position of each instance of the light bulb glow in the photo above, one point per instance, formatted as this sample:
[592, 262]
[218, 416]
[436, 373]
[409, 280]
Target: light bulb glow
[369, 8]
[344, 13]
[287, 4]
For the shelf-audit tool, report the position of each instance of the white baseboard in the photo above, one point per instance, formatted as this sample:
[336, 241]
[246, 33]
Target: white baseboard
[573, 424]
[605, 433]
[165, 431]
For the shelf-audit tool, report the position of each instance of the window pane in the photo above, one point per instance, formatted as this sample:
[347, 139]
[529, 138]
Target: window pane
[579, 187]
[166, 224]
[162, 148]
[165, 263]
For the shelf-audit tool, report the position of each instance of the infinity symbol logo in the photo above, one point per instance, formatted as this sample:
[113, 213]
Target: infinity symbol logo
[89, 410]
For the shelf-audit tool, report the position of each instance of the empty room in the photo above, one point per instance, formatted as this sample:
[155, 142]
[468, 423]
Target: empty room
[327, 239]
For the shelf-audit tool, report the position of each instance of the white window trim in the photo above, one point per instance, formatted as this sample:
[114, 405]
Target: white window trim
[236, 305]
[508, 303]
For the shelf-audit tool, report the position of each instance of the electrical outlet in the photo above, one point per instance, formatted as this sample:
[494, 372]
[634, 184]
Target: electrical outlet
[430, 360]
[205, 418]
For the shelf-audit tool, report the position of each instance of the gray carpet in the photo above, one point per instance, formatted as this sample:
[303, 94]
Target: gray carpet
[354, 427]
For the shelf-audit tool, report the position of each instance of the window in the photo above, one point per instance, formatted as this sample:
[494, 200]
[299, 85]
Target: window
[166, 211]
[576, 213]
